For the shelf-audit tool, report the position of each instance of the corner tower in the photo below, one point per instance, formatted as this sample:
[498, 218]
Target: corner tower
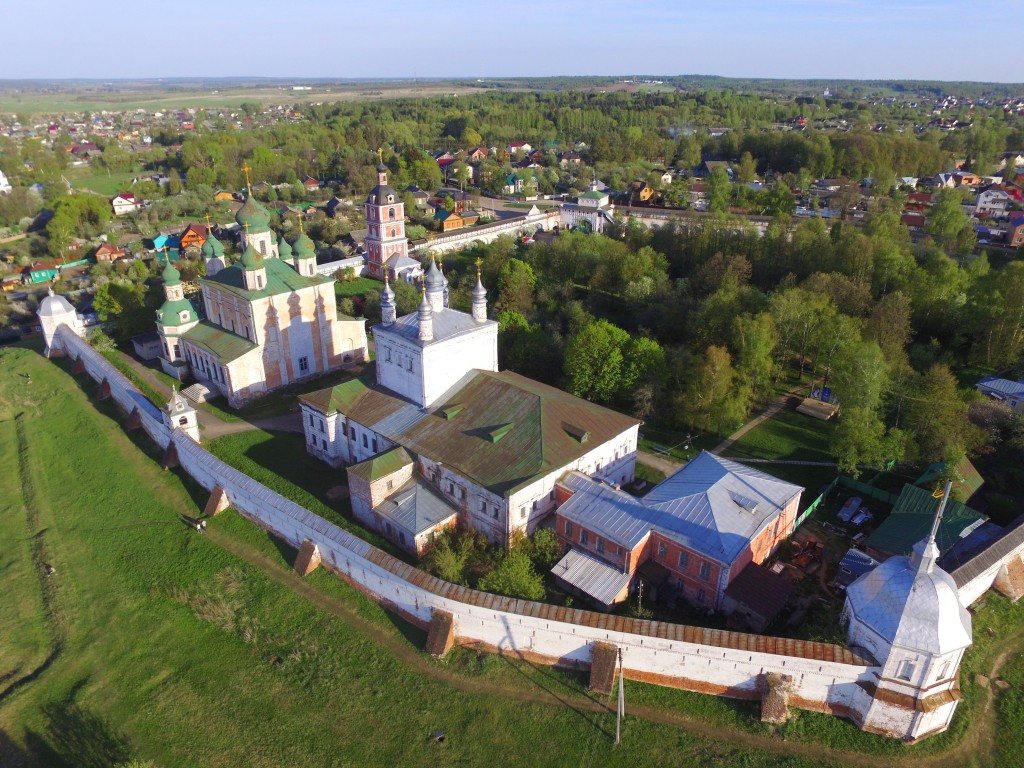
[907, 613]
[385, 224]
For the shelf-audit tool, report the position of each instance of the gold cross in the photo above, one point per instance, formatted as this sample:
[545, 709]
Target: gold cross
[300, 223]
[245, 170]
[479, 261]
[380, 153]
[207, 224]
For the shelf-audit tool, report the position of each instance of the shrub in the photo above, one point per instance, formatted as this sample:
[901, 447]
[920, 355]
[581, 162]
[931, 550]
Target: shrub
[99, 340]
[515, 576]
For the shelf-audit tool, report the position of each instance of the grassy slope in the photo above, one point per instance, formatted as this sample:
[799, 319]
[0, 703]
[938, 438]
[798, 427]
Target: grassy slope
[180, 652]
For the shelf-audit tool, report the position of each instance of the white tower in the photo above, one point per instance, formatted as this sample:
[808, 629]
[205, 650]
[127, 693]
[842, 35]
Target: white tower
[479, 298]
[907, 614]
[426, 318]
[388, 310]
[55, 311]
[179, 414]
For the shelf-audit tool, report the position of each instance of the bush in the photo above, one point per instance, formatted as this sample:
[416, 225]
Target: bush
[100, 341]
[515, 576]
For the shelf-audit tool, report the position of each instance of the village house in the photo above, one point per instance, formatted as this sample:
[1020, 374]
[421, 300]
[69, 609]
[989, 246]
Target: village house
[1004, 390]
[191, 240]
[107, 252]
[125, 203]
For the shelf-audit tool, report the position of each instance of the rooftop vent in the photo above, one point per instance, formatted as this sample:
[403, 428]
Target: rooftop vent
[451, 411]
[497, 433]
[579, 433]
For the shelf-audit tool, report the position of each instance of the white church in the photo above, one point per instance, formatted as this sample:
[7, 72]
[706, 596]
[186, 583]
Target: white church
[435, 435]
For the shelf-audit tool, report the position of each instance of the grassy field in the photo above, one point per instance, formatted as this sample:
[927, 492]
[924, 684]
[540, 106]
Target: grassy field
[356, 287]
[101, 182]
[155, 642]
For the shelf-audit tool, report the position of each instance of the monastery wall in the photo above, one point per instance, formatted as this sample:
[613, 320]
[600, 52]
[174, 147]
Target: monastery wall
[826, 678]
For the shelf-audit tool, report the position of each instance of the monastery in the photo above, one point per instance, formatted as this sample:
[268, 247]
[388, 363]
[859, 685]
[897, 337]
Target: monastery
[265, 322]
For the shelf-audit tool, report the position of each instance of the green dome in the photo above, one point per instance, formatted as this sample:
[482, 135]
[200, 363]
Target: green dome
[253, 214]
[303, 247]
[284, 250]
[251, 259]
[170, 275]
[212, 248]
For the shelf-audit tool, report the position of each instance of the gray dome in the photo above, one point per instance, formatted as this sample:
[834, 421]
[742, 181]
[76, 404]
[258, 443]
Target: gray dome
[55, 306]
[435, 280]
[910, 604]
[379, 195]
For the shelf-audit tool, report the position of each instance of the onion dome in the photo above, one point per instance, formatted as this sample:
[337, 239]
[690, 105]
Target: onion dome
[212, 248]
[284, 250]
[303, 247]
[435, 279]
[387, 296]
[253, 214]
[170, 275]
[426, 312]
[381, 168]
[251, 259]
[911, 603]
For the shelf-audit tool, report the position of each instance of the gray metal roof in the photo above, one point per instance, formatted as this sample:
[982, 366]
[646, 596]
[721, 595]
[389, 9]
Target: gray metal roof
[712, 505]
[448, 323]
[416, 508]
[591, 576]
[1001, 386]
[915, 608]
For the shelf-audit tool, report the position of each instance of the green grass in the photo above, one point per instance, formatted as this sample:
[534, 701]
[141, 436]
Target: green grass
[178, 651]
[651, 475]
[102, 183]
[356, 287]
[116, 359]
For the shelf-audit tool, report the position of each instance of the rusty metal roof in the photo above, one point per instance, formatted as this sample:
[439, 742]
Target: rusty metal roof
[781, 646]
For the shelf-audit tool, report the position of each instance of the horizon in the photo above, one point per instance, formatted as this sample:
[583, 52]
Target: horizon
[740, 39]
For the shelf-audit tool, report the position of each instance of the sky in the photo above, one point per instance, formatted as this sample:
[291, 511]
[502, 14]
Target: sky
[840, 39]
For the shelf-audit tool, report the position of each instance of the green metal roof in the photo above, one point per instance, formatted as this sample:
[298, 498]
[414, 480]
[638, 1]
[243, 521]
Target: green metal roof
[966, 478]
[222, 344]
[169, 314]
[281, 278]
[170, 275]
[303, 247]
[284, 249]
[381, 466]
[253, 214]
[912, 518]
[212, 248]
[509, 430]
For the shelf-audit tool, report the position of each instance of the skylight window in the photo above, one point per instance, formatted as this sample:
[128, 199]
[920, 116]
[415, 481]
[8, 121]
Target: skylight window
[744, 502]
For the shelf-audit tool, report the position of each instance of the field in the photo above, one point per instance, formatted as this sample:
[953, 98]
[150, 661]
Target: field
[151, 641]
[101, 182]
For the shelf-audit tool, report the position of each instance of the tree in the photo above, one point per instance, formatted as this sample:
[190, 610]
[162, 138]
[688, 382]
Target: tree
[948, 222]
[754, 339]
[593, 361]
[718, 190]
[936, 417]
[713, 400]
[516, 282]
[515, 576]
[746, 170]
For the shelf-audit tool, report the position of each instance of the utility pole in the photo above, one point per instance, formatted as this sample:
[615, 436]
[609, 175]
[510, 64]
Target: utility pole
[620, 711]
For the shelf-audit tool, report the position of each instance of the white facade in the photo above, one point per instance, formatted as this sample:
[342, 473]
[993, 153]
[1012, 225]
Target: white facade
[55, 311]
[5, 185]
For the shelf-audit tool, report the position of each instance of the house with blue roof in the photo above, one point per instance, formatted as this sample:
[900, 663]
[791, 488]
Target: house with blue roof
[1010, 392]
[702, 526]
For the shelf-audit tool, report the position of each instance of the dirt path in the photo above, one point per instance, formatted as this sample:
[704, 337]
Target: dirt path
[660, 463]
[777, 404]
[554, 691]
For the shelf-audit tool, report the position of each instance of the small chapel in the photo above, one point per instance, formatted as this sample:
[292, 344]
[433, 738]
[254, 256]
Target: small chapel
[265, 322]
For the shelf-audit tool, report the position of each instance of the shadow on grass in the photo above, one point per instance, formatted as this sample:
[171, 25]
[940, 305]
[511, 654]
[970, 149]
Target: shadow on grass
[75, 736]
[287, 551]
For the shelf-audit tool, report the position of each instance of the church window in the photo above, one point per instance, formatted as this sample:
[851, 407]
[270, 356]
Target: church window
[387, 355]
[700, 595]
[944, 671]
[600, 545]
[408, 364]
[259, 281]
[451, 488]
[175, 350]
[662, 549]
[483, 506]
[551, 496]
[462, 493]
[365, 442]
[375, 445]
[584, 537]
[684, 560]
[352, 432]
[387, 527]
[401, 538]
[705, 571]
[324, 443]
[906, 670]
[393, 231]
[322, 426]
[311, 419]
[303, 365]
[568, 529]
[183, 421]
[263, 247]
[494, 514]
[391, 212]
[522, 511]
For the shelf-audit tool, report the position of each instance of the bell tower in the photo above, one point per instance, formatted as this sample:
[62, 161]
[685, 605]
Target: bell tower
[385, 223]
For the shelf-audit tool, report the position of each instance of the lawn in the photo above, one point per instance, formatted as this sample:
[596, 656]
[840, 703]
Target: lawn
[206, 650]
[356, 287]
[103, 183]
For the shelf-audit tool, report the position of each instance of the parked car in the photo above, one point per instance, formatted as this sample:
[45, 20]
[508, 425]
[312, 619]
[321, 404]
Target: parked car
[862, 517]
[850, 508]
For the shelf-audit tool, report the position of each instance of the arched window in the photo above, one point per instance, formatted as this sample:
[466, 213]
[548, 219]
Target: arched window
[393, 230]
[391, 212]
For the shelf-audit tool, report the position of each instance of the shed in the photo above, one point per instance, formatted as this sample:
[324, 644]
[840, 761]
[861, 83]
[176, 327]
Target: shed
[756, 596]
[582, 574]
[147, 346]
[853, 565]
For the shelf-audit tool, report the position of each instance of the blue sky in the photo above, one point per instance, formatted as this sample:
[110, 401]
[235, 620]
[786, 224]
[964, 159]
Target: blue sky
[919, 39]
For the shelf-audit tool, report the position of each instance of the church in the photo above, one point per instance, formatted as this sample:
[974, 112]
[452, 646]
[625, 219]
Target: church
[263, 323]
[435, 436]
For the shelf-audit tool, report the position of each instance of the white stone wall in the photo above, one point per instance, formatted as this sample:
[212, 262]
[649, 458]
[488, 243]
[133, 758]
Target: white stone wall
[818, 685]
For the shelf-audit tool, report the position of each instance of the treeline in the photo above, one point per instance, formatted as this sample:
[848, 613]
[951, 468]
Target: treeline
[695, 328]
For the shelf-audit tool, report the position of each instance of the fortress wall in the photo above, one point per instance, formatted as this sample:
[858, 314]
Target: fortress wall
[707, 661]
